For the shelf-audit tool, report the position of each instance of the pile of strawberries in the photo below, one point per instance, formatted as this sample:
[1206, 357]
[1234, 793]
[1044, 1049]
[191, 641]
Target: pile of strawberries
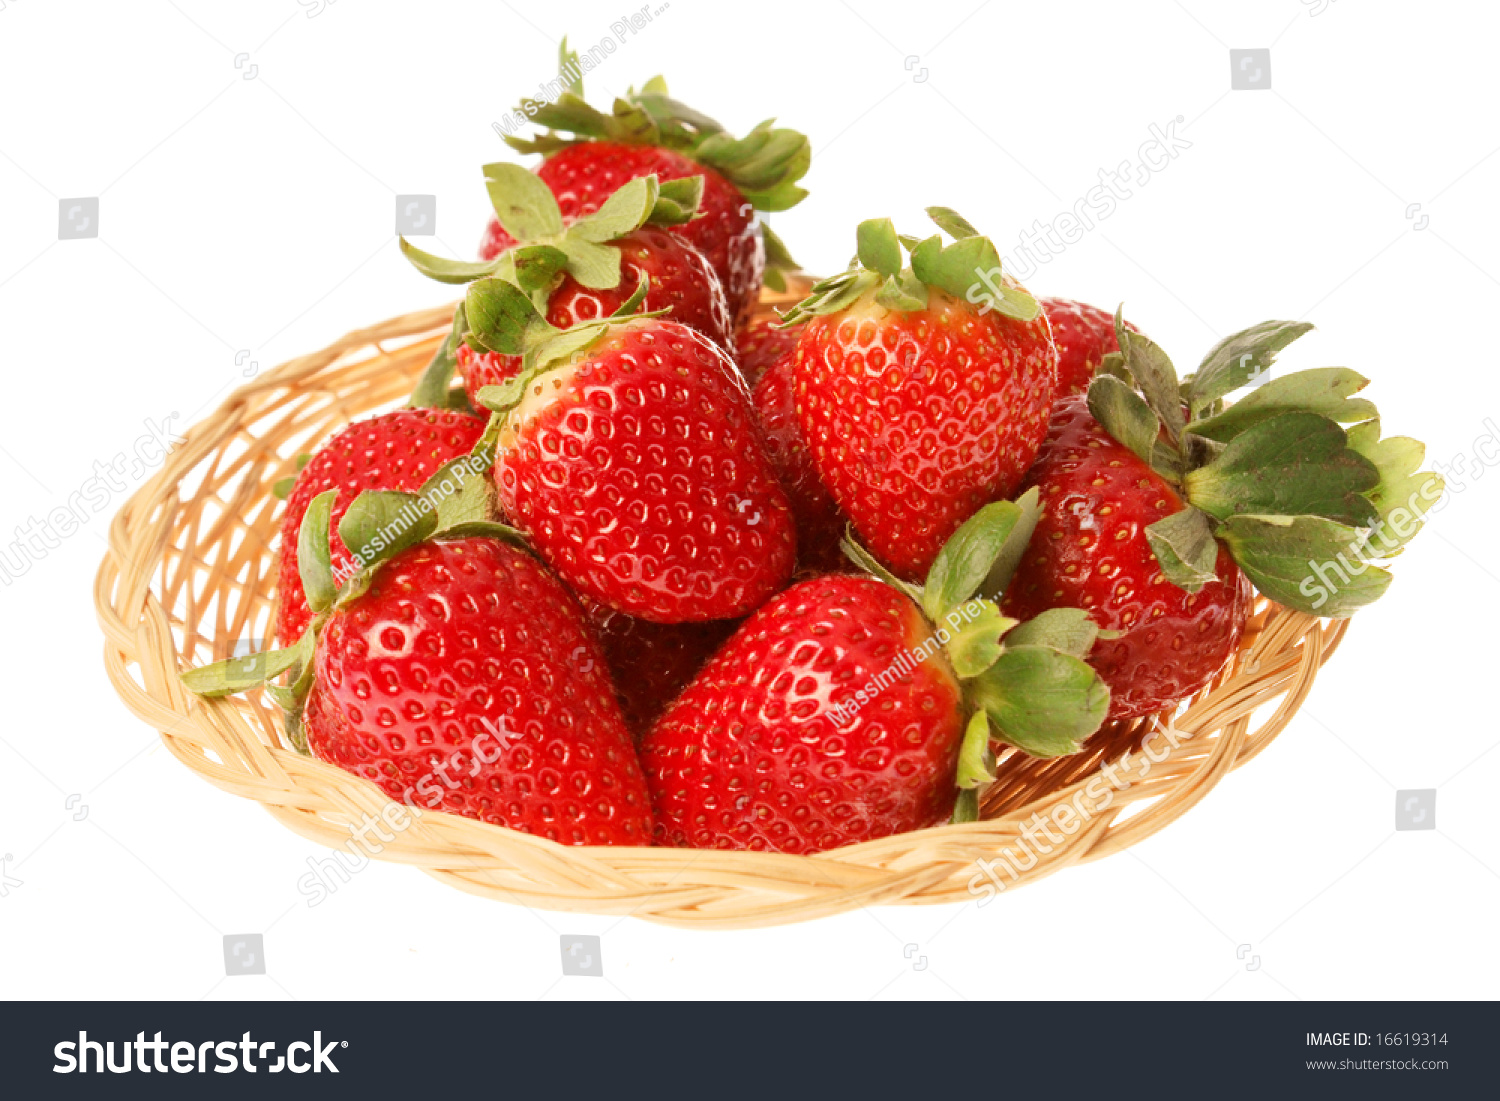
[655, 570]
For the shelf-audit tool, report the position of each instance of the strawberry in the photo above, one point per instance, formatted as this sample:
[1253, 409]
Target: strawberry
[760, 344]
[453, 671]
[923, 391]
[627, 450]
[1084, 335]
[398, 450]
[850, 708]
[1090, 552]
[584, 268]
[649, 133]
[820, 522]
[651, 662]
[456, 637]
[727, 234]
[1156, 518]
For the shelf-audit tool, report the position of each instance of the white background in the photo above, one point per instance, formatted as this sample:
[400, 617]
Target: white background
[258, 214]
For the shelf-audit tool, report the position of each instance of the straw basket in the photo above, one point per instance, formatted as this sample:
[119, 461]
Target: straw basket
[191, 570]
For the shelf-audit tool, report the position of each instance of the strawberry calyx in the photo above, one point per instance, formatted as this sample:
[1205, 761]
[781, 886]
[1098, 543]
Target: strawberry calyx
[457, 502]
[779, 261]
[1025, 683]
[1275, 477]
[281, 489]
[764, 165]
[500, 317]
[548, 248]
[969, 269]
[435, 388]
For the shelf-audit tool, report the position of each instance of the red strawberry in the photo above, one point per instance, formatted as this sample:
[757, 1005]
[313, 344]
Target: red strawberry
[726, 232]
[841, 712]
[649, 133]
[922, 395]
[820, 523]
[760, 344]
[584, 268]
[451, 669]
[651, 662]
[1158, 504]
[398, 450]
[465, 680]
[631, 457]
[1084, 335]
[792, 780]
[679, 279]
[1090, 551]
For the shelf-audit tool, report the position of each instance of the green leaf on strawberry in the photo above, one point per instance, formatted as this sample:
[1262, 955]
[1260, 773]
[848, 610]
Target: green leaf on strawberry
[980, 556]
[879, 251]
[1041, 700]
[433, 388]
[1405, 492]
[314, 560]
[1154, 376]
[1067, 630]
[764, 166]
[1238, 359]
[968, 269]
[779, 261]
[1029, 678]
[1124, 414]
[382, 523]
[225, 678]
[976, 767]
[1327, 391]
[975, 643]
[1306, 563]
[1274, 477]
[1184, 546]
[1294, 464]
[546, 248]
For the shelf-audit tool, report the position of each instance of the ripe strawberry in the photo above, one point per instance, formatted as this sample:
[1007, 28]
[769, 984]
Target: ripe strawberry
[1090, 551]
[398, 450]
[1153, 516]
[584, 268]
[629, 454]
[842, 712]
[651, 662]
[1084, 335]
[468, 660]
[648, 133]
[820, 522]
[922, 394]
[679, 279]
[762, 342]
[452, 670]
[727, 233]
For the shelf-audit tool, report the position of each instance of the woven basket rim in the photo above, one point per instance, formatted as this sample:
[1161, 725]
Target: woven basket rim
[187, 572]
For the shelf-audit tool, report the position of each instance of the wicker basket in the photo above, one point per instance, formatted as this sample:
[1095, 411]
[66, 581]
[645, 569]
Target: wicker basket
[191, 569]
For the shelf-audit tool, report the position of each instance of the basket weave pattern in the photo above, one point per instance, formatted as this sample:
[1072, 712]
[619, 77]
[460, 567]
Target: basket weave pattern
[192, 566]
